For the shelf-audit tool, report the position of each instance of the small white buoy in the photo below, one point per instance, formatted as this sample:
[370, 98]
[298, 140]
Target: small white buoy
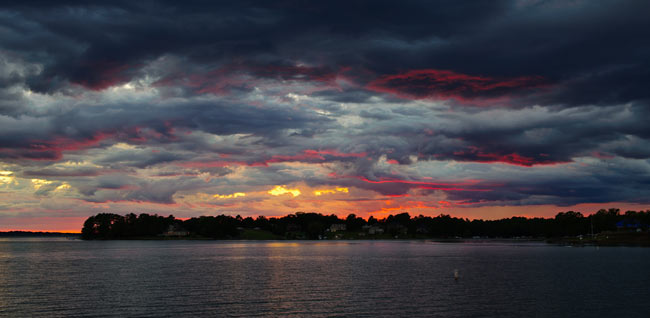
[456, 274]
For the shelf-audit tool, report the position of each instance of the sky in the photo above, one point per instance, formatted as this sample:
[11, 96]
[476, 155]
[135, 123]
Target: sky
[478, 109]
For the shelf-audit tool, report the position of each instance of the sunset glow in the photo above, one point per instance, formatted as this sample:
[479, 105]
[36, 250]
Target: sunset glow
[331, 191]
[229, 196]
[280, 190]
[264, 109]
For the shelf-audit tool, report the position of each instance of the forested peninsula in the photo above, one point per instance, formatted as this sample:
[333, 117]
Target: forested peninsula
[606, 227]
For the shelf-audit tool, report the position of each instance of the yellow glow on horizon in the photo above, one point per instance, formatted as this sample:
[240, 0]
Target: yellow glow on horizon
[280, 190]
[331, 191]
[38, 183]
[229, 196]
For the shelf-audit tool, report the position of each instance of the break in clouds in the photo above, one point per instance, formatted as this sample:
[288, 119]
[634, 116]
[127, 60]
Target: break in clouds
[254, 107]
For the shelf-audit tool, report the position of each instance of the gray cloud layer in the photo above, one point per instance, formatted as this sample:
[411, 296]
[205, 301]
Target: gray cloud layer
[541, 101]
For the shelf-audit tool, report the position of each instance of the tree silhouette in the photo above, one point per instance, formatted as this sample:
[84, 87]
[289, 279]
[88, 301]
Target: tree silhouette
[314, 225]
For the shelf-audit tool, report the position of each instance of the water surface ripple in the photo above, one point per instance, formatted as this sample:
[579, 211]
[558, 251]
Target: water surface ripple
[62, 278]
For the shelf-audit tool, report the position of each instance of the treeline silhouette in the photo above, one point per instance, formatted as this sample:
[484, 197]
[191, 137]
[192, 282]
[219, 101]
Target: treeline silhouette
[315, 225]
[36, 234]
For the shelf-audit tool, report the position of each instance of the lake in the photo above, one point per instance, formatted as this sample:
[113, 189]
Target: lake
[62, 278]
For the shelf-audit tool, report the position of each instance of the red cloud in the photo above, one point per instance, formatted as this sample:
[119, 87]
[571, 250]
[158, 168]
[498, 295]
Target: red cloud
[399, 187]
[443, 84]
[52, 150]
[512, 158]
[141, 134]
[63, 143]
[474, 154]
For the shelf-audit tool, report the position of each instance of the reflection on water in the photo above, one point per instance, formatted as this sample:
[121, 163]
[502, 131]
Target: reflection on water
[49, 278]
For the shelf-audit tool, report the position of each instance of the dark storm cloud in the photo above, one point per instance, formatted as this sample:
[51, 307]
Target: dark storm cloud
[138, 159]
[98, 126]
[524, 83]
[526, 137]
[62, 173]
[594, 53]
[96, 45]
[610, 181]
[122, 187]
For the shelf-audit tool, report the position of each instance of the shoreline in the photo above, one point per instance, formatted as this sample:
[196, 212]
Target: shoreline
[606, 241]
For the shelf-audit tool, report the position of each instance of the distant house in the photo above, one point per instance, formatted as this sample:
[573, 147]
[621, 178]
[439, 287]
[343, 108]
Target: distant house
[628, 224]
[422, 230]
[174, 230]
[337, 227]
[372, 230]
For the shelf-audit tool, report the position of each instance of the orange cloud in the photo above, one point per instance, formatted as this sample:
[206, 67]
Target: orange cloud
[331, 191]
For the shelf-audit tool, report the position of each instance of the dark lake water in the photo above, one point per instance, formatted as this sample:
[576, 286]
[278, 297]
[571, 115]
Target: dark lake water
[56, 278]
